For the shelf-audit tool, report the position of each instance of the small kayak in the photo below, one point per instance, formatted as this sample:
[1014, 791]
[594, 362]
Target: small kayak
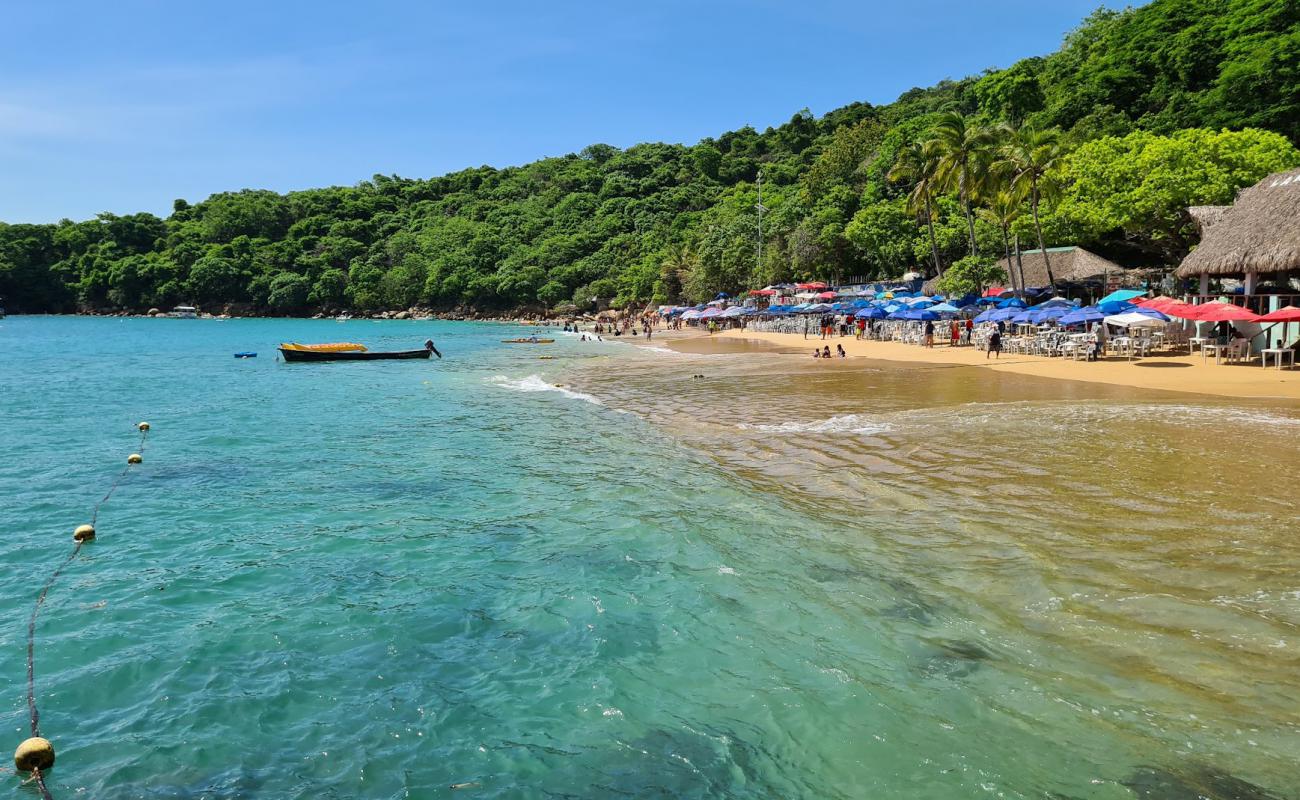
[328, 347]
[527, 341]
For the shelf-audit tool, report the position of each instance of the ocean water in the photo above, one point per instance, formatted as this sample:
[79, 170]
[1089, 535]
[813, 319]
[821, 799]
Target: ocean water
[596, 575]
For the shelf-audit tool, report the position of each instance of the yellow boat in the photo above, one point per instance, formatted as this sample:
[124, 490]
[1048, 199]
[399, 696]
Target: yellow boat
[328, 347]
[532, 340]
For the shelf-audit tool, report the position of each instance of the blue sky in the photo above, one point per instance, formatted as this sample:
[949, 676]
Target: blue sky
[123, 106]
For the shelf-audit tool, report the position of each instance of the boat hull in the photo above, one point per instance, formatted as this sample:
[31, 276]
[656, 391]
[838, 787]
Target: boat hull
[365, 355]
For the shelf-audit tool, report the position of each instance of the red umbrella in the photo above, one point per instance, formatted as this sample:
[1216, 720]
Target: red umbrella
[1283, 314]
[1177, 308]
[812, 285]
[1158, 303]
[1224, 312]
[762, 292]
[994, 291]
[826, 296]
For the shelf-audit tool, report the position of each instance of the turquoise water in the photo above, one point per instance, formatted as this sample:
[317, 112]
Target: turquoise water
[381, 580]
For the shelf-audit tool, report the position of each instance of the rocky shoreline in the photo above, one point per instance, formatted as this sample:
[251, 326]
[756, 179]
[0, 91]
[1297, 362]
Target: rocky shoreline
[414, 313]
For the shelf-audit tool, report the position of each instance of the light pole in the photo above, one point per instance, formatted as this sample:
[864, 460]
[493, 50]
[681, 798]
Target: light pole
[760, 208]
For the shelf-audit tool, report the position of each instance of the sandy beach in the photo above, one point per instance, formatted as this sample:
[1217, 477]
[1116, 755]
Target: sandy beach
[1162, 371]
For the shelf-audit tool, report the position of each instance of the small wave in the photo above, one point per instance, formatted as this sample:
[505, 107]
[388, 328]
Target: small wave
[534, 383]
[1098, 412]
[842, 423]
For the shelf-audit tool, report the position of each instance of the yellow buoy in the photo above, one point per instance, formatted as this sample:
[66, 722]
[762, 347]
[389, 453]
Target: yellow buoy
[84, 533]
[134, 458]
[144, 426]
[35, 753]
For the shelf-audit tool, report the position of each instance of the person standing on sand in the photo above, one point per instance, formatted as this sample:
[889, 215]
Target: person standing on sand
[929, 333]
[954, 334]
[995, 344]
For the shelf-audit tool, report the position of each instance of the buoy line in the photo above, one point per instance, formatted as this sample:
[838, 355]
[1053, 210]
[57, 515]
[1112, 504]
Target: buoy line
[36, 754]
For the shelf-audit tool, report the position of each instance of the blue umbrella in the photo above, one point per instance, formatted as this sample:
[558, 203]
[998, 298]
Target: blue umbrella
[944, 308]
[1000, 314]
[1150, 312]
[870, 313]
[1111, 307]
[1120, 295]
[1012, 302]
[722, 296]
[1082, 316]
[987, 301]
[984, 315]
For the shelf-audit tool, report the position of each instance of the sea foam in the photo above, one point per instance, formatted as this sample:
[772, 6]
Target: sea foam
[534, 383]
[841, 423]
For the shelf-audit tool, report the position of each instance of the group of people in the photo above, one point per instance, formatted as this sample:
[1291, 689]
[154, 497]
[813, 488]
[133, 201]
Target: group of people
[825, 352]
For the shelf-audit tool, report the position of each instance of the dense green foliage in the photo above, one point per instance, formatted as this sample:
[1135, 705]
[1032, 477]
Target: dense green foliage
[1140, 114]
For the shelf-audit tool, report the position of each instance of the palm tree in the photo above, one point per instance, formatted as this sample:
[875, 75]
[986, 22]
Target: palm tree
[964, 152]
[1033, 156]
[918, 164]
[676, 268]
[1002, 209]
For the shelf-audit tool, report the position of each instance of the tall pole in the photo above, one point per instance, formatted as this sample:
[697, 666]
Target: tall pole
[760, 208]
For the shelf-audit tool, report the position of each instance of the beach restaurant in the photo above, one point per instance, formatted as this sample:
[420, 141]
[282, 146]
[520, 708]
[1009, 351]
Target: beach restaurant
[1251, 248]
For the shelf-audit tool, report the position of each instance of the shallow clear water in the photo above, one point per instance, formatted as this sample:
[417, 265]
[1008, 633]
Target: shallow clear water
[385, 579]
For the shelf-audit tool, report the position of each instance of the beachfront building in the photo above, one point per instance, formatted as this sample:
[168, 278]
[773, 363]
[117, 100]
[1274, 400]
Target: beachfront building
[1251, 248]
[1073, 267]
[1076, 271]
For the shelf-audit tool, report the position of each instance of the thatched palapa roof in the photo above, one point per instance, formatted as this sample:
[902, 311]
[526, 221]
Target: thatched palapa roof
[1205, 216]
[1259, 233]
[1069, 265]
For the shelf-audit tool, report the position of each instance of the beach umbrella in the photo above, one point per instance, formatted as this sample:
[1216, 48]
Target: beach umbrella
[1133, 319]
[1177, 308]
[1283, 314]
[710, 313]
[721, 296]
[1082, 316]
[762, 292]
[1224, 312]
[1014, 302]
[826, 296]
[1112, 307]
[870, 313]
[691, 314]
[1003, 314]
[944, 308]
[1120, 295]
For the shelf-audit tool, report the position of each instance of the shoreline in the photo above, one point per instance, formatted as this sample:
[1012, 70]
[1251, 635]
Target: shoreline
[1161, 372]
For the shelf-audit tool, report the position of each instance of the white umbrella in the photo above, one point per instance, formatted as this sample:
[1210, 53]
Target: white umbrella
[1132, 319]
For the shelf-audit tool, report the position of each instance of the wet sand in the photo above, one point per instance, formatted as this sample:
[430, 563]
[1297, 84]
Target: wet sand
[1161, 372]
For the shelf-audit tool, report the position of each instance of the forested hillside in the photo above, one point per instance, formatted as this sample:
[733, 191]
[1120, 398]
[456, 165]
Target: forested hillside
[1137, 115]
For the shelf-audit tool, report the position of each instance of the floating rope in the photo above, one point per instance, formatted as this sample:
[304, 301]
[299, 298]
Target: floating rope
[35, 755]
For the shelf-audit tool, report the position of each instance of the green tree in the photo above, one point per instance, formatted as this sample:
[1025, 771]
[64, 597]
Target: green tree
[1033, 157]
[963, 152]
[918, 164]
[970, 275]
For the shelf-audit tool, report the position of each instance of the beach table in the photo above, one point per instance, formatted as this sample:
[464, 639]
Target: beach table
[1278, 353]
[1194, 342]
[1209, 347]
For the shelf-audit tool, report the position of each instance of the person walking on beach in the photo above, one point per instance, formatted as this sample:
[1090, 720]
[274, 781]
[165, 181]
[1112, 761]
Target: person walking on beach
[929, 333]
[862, 328]
[995, 344]
[954, 333]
